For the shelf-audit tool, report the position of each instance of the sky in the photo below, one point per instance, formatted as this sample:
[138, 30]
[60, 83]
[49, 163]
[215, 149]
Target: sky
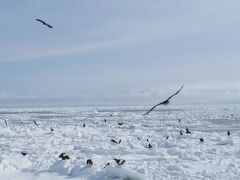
[119, 52]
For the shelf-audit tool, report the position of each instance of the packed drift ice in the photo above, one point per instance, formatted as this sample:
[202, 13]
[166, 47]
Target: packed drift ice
[174, 142]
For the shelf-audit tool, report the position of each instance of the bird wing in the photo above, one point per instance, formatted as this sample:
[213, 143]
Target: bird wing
[163, 101]
[44, 23]
[153, 108]
[175, 93]
[39, 20]
[48, 25]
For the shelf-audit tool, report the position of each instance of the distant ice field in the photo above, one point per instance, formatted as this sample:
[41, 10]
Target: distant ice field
[152, 145]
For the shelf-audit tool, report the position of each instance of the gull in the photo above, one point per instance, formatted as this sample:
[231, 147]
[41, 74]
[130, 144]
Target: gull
[44, 23]
[166, 102]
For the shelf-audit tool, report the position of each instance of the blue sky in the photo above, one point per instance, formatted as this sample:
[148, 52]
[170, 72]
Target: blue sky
[119, 52]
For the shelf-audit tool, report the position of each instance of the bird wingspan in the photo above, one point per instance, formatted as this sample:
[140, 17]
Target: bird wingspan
[164, 102]
[44, 23]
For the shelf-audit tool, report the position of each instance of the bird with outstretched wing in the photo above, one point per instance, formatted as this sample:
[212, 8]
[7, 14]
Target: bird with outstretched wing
[44, 23]
[166, 102]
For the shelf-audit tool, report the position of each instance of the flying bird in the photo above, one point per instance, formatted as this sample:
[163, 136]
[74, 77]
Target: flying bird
[166, 102]
[44, 23]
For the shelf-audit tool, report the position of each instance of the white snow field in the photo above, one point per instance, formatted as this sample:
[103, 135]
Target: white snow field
[176, 157]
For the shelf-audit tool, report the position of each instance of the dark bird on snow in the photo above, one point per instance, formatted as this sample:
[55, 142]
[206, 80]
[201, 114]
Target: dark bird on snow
[35, 122]
[64, 156]
[6, 123]
[149, 145]
[167, 137]
[107, 164]
[166, 102]
[51, 129]
[187, 131]
[120, 161]
[147, 140]
[228, 133]
[105, 120]
[201, 139]
[24, 153]
[120, 123]
[179, 120]
[89, 163]
[84, 125]
[44, 23]
[181, 132]
[138, 138]
[114, 141]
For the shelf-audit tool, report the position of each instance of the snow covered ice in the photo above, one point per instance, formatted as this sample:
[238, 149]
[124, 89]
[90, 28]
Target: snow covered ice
[176, 157]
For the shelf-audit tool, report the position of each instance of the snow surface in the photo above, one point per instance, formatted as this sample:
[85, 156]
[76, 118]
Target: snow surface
[178, 157]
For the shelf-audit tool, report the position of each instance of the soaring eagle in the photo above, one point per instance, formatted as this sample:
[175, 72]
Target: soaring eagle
[44, 23]
[166, 102]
